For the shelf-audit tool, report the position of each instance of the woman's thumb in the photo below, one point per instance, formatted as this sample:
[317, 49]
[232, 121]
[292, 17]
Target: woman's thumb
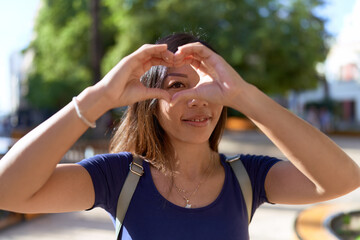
[183, 95]
[157, 93]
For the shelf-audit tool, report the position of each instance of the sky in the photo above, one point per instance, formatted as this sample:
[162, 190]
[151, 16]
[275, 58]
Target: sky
[17, 18]
[16, 23]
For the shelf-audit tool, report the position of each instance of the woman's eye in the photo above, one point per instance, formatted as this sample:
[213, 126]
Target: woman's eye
[176, 85]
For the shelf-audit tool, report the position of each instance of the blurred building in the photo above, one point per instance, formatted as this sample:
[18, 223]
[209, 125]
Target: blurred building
[20, 66]
[336, 101]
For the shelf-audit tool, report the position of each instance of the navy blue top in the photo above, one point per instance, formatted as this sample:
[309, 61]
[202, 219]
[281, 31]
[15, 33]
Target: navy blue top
[151, 216]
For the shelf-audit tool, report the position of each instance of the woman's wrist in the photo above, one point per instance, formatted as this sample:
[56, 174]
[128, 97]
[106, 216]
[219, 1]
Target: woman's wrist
[80, 115]
[244, 99]
[257, 106]
[92, 103]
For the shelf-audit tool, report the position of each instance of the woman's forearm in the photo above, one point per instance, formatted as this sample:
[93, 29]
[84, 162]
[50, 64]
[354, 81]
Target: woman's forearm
[32, 160]
[313, 153]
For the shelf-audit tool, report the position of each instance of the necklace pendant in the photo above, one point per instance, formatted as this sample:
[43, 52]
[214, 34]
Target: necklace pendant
[188, 205]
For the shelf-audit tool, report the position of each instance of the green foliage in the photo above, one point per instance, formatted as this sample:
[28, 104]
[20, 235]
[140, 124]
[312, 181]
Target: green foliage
[62, 52]
[273, 44]
[346, 219]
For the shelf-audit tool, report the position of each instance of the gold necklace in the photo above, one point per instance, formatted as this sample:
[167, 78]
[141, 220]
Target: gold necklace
[183, 194]
[186, 195]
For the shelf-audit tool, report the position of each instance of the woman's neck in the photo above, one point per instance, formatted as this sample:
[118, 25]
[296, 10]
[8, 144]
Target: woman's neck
[193, 161]
[197, 178]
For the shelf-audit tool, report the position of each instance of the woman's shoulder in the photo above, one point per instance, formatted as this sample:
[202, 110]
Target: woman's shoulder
[108, 173]
[110, 156]
[250, 159]
[255, 165]
[108, 160]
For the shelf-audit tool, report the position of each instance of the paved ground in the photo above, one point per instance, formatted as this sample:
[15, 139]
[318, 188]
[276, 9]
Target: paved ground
[92, 225]
[269, 223]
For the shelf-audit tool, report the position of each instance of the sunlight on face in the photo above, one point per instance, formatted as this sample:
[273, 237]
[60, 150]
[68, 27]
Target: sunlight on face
[189, 120]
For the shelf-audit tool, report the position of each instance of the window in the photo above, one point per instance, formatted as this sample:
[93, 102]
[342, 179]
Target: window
[349, 72]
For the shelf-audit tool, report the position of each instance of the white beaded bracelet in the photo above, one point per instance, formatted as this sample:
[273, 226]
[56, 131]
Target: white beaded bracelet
[87, 122]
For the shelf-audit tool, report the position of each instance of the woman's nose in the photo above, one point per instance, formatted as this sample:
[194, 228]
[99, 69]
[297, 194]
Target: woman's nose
[197, 103]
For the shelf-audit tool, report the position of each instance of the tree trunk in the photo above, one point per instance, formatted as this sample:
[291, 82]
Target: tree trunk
[95, 46]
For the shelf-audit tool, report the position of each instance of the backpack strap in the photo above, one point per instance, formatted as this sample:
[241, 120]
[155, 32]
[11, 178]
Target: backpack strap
[244, 181]
[137, 170]
[127, 191]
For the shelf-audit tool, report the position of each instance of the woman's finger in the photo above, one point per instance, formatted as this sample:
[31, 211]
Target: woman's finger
[203, 69]
[184, 95]
[156, 93]
[145, 57]
[155, 62]
[195, 51]
[168, 56]
[148, 51]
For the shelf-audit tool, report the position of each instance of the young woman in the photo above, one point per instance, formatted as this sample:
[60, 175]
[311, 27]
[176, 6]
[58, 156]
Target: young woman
[175, 120]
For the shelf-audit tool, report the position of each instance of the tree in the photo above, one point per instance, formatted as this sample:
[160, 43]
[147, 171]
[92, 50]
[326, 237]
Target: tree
[95, 40]
[273, 44]
[62, 64]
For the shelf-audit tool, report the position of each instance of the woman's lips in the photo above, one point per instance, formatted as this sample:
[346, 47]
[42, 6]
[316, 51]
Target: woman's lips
[197, 121]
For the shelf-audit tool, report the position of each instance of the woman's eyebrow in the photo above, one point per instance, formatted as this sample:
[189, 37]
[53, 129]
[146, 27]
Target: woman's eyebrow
[176, 75]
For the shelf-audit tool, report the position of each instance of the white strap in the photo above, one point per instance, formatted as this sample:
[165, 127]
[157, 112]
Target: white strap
[244, 181]
[136, 171]
[127, 191]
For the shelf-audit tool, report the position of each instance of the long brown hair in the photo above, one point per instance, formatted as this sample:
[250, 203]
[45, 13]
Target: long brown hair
[140, 132]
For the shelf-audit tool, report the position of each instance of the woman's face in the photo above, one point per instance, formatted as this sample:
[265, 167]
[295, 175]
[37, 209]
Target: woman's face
[192, 120]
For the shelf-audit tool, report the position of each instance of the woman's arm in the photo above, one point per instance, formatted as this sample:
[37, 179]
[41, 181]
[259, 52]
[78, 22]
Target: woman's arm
[30, 163]
[318, 169]
[31, 179]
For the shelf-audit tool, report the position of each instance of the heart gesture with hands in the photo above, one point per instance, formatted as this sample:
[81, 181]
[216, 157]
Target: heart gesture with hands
[122, 84]
[219, 82]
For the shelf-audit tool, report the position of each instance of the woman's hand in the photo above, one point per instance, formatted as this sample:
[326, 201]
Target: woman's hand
[122, 84]
[219, 82]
